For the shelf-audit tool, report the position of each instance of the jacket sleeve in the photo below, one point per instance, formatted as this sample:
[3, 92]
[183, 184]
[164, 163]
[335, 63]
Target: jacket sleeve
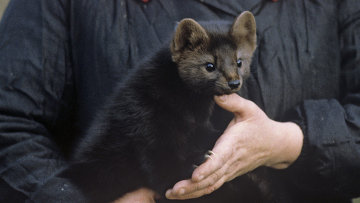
[330, 159]
[34, 66]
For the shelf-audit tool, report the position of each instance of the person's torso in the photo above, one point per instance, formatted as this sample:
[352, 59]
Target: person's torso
[297, 57]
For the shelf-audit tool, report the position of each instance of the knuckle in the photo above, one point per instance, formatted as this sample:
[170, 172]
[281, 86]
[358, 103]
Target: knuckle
[198, 187]
[215, 178]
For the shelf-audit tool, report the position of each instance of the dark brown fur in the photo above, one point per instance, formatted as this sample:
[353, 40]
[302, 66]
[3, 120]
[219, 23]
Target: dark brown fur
[193, 47]
[157, 123]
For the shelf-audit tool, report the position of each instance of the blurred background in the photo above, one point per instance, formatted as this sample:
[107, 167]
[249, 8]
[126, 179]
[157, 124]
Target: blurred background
[3, 4]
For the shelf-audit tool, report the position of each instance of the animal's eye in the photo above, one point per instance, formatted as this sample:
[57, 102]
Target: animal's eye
[210, 67]
[239, 63]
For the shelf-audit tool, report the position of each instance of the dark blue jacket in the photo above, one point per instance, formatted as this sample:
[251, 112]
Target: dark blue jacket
[59, 59]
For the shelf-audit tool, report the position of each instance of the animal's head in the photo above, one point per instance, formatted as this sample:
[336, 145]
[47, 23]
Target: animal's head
[211, 62]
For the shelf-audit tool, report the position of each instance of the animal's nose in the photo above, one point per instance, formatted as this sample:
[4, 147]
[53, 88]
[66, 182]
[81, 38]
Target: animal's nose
[234, 84]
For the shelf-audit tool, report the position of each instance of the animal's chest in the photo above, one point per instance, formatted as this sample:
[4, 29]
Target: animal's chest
[194, 138]
[183, 144]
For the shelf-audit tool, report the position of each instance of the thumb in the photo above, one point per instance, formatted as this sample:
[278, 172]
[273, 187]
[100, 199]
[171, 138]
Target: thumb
[233, 103]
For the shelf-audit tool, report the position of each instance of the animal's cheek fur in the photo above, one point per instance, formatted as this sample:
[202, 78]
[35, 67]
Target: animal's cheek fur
[194, 77]
[245, 70]
[221, 86]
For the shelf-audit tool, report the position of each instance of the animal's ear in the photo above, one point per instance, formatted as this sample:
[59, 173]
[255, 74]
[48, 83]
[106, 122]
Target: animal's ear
[188, 35]
[243, 30]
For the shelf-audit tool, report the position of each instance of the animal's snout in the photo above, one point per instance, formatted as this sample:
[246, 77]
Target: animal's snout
[234, 84]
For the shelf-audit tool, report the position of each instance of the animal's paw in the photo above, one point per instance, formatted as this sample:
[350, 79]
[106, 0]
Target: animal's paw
[208, 155]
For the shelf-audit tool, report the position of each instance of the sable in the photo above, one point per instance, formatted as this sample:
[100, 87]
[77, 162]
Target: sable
[156, 125]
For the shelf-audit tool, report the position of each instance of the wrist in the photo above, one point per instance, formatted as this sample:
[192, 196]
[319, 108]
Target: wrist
[289, 145]
[296, 138]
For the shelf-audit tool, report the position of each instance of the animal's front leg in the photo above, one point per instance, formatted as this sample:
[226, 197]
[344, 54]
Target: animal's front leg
[208, 155]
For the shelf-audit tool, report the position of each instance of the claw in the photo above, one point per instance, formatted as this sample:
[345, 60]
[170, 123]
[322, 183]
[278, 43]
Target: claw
[195, 166]
[208, 154]
[211, 152]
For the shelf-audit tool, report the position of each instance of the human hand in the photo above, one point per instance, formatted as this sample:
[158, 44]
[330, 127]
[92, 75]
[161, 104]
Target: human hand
[142, 195]
[250, 140]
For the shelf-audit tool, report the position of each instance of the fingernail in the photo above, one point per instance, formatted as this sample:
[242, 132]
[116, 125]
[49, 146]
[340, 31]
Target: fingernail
[182, 191]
